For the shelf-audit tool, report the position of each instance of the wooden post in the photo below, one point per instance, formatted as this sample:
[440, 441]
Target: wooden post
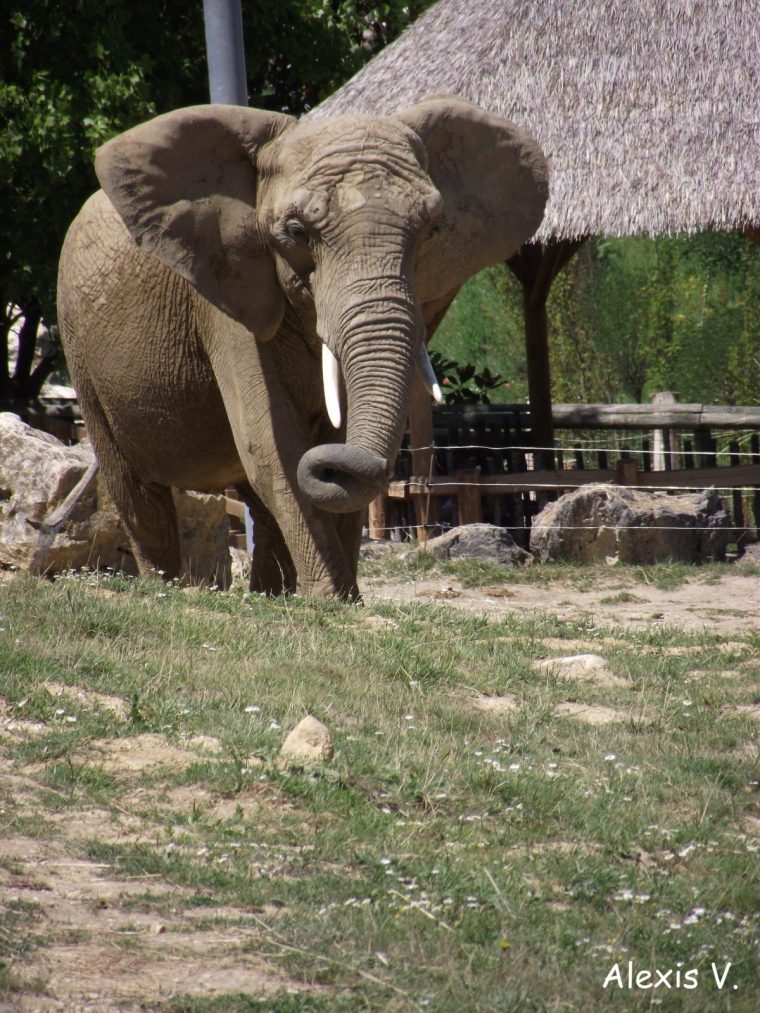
[666, 442]
[469, 501]
[539, 378]
[754, 447]
[626, 473]
[736, 496]
[421, 436]
[536, 265]
[378, 517]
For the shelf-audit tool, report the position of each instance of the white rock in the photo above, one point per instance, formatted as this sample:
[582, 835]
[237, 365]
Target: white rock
[37, 472]
[308, 743]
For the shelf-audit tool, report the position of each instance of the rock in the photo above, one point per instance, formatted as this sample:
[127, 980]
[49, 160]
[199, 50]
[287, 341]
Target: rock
[478, 541]
[204, 536]
[750, 555]
[37, 472]
[308, 743]
[241, 563]
[606, 523]
[379, 548]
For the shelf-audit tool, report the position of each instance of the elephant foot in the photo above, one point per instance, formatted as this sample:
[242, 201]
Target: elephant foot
[348, 592]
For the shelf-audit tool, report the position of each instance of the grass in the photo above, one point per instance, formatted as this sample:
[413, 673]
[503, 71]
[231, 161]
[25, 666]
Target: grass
[447, 858]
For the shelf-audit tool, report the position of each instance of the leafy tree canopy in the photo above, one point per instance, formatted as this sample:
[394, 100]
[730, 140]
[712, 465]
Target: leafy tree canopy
[75, 72]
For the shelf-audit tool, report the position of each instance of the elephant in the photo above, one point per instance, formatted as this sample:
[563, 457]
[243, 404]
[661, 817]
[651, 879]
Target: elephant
[246, 302]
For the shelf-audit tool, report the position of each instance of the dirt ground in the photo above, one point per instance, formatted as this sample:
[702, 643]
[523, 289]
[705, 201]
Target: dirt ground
[102, 953]
[726, 605]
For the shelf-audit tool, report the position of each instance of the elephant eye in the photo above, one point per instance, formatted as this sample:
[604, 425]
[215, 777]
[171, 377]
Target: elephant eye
[295, 229]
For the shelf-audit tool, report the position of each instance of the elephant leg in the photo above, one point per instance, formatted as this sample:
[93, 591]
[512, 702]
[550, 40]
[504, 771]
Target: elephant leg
[270, 427]
[146, 510]
[323, 547]
[349, 528]
[272, 569]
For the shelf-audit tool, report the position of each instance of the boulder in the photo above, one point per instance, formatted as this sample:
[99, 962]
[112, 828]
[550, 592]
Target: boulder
[37, 473]
[628, 525]
[478, 541]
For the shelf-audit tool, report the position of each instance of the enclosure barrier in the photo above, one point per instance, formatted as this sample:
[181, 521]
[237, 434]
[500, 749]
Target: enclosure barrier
[483, 466]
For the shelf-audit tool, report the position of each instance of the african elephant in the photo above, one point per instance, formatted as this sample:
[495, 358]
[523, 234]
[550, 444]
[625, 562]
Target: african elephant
[231, 251]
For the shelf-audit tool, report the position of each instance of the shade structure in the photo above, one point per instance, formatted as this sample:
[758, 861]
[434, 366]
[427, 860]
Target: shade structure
[648, 112]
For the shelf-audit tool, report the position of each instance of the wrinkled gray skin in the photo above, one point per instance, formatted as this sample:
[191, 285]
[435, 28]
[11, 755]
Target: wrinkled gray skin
[196, 290]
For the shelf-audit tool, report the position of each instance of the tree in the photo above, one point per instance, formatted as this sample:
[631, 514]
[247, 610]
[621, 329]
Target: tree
[75, 72]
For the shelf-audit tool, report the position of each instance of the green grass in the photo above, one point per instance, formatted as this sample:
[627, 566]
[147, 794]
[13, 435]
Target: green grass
[446, 859]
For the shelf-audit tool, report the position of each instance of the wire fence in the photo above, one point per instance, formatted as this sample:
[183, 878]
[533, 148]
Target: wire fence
[481, 464]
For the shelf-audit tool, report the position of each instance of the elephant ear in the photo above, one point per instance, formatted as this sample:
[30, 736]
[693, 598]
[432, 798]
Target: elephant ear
[185, 186]
[493, 178]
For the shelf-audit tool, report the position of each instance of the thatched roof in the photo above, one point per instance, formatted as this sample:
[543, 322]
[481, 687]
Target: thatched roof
[648, 110]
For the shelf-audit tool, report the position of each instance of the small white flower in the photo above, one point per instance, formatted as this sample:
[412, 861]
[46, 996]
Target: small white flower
[252, 709]
[609, 757]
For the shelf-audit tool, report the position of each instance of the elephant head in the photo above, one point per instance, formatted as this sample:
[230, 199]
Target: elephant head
[367, 226]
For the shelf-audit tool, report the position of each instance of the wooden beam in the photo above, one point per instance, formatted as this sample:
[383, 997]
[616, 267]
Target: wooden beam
[745, 476]
[647, 416]
[469, 497]
[535, 266]
[421, 437]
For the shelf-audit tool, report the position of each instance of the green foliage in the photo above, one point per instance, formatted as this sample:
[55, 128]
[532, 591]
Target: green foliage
[299, 51]
[74, 73]
[484, 327]
[627, 317]
[464, 382]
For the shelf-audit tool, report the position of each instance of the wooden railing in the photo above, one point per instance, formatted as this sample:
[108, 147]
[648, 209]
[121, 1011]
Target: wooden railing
[481, 463]
[484, 466]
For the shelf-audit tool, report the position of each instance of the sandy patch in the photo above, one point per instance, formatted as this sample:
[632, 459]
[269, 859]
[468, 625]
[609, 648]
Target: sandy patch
[496, 705]
[582, 667]
[748, 710]
[115, 704]
[139, 753]
[590, 714]
[727, 605]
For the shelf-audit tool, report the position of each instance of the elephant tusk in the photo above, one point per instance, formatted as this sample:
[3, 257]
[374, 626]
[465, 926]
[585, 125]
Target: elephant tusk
[331, 384]
[427, 373]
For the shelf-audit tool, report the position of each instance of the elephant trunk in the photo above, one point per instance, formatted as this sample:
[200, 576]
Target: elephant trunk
[376, 343]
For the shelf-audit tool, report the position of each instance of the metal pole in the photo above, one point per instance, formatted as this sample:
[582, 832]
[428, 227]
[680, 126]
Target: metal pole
[228, 85]
[223, 20]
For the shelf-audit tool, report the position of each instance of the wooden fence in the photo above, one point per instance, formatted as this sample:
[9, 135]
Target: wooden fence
[484, 466]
